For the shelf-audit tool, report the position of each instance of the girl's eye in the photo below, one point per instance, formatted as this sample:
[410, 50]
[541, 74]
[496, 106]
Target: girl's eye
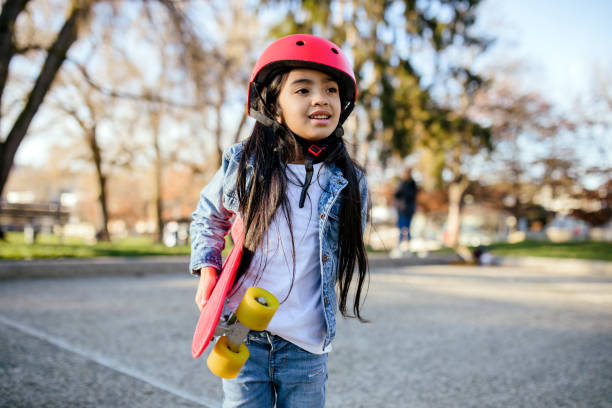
[302, 91]
[332, 90]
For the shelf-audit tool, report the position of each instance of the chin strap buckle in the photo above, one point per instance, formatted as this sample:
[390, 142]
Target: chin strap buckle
[315, 150]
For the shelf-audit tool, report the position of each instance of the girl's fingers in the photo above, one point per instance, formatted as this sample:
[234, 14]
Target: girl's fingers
[200, 299]
[204, 291]
[202, 304]
[211, 285]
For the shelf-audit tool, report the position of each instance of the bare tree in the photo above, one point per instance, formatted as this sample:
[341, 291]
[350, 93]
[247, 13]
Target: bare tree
[231, 68]
[55, 56]
[88, 109]
[519, 120]
[193, 60]
[155, 114]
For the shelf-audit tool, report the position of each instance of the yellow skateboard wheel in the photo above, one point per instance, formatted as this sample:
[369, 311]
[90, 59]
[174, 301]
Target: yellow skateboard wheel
[257, 308]
[223, 362]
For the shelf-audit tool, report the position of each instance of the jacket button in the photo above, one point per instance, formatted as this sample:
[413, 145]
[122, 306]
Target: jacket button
[322, 215]
[324, 258]
[326, 302]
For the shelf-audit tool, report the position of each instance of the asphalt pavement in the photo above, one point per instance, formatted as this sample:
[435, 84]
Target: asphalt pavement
[439, 336]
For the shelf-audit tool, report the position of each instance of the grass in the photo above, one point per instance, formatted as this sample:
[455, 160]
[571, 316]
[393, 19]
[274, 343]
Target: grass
[577, 250]
[51, 246]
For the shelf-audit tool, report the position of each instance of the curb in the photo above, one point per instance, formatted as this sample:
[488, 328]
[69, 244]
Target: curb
[113, 266]
[581, 266]
[103, 266]
[380, 260]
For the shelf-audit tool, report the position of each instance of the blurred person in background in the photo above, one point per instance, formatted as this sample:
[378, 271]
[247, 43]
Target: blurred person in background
[405, 204]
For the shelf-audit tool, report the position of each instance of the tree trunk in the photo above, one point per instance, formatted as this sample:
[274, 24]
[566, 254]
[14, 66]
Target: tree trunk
[155, 115]
[158, 192]
[103, 234]
[453, 223]
[219, 129]
[10, 12]
[55, 57]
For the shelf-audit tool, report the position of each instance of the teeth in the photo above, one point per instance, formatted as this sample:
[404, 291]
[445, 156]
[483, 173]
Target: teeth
[320, 117]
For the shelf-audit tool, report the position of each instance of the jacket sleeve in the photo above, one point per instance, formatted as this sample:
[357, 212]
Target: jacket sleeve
[212, 219]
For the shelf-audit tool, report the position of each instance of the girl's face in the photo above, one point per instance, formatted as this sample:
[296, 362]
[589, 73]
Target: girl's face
[309, 102]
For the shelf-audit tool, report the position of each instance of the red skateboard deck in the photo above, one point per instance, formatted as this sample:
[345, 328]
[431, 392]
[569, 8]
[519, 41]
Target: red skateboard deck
[211, 312]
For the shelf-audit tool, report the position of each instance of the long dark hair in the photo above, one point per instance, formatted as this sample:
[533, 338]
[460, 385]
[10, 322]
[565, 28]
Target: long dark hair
[269, 151]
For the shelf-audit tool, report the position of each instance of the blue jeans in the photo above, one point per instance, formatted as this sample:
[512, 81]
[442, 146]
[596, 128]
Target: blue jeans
[277, 372]
[403, 223]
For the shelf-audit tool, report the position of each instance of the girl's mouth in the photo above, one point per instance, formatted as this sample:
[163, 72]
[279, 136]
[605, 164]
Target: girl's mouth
[320, 116]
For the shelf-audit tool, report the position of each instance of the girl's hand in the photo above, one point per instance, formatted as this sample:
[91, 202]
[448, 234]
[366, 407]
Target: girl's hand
[208, 280]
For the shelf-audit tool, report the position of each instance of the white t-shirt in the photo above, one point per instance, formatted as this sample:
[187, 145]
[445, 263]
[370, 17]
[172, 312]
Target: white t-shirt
[300, 317]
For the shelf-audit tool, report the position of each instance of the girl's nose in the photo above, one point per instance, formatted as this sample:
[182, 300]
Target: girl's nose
[320, 98]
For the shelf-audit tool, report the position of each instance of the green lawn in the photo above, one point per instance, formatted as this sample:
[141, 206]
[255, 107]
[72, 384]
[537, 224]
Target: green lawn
[580, 250]
[51, 246]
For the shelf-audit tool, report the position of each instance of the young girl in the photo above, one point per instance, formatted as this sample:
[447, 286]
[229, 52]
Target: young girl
[304, 203]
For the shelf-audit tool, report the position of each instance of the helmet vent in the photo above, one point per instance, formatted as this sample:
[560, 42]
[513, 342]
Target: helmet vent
[335, 51]
[300, 43]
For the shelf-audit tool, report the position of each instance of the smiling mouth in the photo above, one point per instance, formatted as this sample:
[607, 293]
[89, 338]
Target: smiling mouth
[320, 116]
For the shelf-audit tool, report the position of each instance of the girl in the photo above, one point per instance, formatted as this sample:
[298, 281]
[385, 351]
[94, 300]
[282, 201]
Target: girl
[304, 203]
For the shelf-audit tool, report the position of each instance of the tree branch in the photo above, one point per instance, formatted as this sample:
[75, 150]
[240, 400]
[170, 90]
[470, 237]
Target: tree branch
[55, 57]
[147, 97]
[10, 11]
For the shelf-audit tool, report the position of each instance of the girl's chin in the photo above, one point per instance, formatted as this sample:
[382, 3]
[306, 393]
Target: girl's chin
[319, 132]
[316, 136]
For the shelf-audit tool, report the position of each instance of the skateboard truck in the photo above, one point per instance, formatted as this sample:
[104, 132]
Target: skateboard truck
[236, 332]
[254, 313]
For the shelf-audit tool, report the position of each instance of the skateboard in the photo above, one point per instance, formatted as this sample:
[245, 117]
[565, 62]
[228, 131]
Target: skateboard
[254, 312]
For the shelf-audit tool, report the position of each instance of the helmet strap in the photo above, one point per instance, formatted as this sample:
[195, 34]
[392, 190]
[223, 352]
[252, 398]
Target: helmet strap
[316, 152]
[309, 171]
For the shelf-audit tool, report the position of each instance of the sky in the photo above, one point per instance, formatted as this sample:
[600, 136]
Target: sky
[560, 42]
[563, 46]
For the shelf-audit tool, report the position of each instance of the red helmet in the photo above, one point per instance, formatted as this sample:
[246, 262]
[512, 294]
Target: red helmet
[304, 51]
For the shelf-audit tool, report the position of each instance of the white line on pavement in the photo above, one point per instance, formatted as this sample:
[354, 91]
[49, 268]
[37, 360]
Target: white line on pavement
[108, 362]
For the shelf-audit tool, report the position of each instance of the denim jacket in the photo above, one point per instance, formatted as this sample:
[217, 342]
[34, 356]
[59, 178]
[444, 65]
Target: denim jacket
[219, 202]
